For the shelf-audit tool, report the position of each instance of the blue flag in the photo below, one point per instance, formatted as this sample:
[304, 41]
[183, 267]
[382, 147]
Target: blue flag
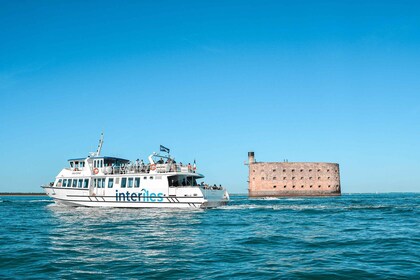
[164, 149]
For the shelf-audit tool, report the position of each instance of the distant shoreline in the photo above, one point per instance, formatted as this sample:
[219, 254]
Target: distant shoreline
[22, 194]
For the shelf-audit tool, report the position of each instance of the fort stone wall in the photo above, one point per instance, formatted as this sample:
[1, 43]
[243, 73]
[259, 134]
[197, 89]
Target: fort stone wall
[293, 178]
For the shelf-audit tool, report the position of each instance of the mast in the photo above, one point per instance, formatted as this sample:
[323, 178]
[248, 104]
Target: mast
[101, 142]
[98, 150]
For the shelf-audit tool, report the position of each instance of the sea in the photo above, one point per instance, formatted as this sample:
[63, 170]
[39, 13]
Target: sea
[355, 236]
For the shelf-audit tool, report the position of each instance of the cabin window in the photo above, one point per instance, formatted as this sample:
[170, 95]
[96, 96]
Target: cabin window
[144, 178]
[65, 183]
[59, 183]
[86, 183]
[110, 183]
[137, 182]
[74, 183]
[80, 183]
[130, 182]
[100, 186]
[69, 184]
[71, 164]
[101, 163]
[94, 163]
[123, 182]
[151, 177]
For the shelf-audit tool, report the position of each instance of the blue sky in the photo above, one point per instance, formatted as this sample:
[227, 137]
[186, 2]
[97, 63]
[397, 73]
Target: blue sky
[334, 81]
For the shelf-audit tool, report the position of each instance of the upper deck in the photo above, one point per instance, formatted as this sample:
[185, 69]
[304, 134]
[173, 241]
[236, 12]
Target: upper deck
[95, 164]
[103, 165]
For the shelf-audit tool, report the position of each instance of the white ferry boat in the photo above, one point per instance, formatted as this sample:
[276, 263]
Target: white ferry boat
[100, 181]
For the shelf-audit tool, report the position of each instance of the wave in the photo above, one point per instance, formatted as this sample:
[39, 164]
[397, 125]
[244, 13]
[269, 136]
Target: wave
[41, 200]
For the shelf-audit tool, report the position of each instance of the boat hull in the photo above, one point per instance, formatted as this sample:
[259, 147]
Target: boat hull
[77, 198]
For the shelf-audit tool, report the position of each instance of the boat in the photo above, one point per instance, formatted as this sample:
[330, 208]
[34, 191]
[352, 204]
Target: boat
[103, 181]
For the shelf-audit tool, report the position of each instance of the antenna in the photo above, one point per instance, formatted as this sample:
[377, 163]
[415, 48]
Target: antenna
[98, 150]
[101, 142]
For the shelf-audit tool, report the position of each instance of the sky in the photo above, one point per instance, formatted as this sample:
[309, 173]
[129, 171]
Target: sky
[324, 81]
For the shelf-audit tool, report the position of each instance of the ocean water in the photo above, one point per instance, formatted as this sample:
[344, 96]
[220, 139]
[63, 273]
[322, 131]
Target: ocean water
[375, 236]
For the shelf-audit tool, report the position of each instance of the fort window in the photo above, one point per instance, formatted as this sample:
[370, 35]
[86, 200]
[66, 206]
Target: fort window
[293, 170]
[328, 170]
[293, 187]
[310, 178]
[310, 170]
[274, 187]
[253, 178]
[319, 178]
[319, 186]
[329, 186]
[262, 178]
[253, 170]
[319, 170]
[274, 170]
[284, 178]
[284, 187]
[274, 178]
[329, 178]
[293, 178]
[301, 178]
[284, 170]
[301, 186]
[301, 170]
[310, 186]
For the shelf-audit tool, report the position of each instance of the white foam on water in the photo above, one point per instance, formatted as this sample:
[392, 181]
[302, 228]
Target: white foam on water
[41, 200]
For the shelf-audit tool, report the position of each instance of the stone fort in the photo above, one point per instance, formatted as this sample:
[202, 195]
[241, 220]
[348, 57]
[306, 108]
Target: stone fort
[292, 178]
